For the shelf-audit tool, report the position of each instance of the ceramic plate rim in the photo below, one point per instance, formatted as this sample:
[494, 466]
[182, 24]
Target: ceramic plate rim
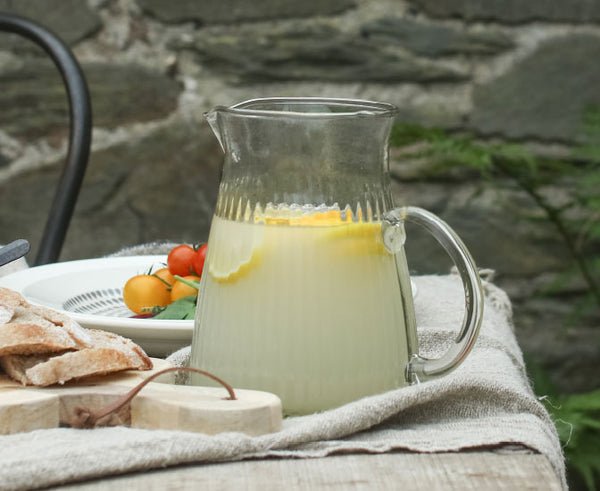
[20, 280]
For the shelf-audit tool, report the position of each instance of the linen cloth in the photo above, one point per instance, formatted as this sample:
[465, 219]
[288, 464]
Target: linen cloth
[486, 403]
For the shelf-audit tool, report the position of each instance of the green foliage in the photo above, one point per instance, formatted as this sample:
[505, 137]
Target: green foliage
[589, 148]
[577, 420]
[577, 223]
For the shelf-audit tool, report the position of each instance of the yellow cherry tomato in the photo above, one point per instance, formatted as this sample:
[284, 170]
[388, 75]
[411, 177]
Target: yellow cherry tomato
[144, 292]
[180, 289]
[165, 275]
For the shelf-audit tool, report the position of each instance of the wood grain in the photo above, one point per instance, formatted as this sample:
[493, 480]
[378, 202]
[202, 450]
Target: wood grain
[463, 471]
[157, 406]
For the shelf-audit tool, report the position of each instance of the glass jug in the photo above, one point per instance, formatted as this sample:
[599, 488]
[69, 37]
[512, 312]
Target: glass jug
[306, 291]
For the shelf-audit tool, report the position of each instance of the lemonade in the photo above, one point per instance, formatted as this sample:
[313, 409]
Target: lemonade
[306, 306]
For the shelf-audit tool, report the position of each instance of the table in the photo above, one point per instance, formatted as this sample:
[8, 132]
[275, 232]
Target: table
[464, 471]
[480, 427]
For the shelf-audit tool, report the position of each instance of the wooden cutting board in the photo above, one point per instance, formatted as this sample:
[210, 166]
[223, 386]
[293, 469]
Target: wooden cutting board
[159, 405]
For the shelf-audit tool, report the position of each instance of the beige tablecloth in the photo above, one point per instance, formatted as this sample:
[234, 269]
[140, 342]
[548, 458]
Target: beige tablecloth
[486, 403]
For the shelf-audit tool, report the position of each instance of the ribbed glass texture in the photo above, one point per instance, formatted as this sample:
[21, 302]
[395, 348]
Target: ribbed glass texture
[299, 296]
[317, 152]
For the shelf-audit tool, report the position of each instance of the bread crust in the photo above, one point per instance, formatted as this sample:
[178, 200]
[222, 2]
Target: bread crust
[9, 299]
[109, 353]
[39, 346]
[29, 329]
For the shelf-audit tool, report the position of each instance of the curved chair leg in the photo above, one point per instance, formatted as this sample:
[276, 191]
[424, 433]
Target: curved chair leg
[80, 112]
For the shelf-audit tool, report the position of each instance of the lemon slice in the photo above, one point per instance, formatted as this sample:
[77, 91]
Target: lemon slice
[357, 238]
[319, 219]
[235, 250]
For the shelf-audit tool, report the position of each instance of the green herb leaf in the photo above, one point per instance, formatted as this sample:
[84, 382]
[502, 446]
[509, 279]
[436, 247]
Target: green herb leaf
[182, 309]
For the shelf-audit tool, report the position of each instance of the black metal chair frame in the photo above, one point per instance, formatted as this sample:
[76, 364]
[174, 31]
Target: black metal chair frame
[80, 136]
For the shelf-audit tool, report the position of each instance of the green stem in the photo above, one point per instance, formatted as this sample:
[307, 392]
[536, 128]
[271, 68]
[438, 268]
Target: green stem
[164, 281]
[554, 215]
[193, 284]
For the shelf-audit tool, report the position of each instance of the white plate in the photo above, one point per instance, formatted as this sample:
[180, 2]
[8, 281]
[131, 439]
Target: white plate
[89, 291]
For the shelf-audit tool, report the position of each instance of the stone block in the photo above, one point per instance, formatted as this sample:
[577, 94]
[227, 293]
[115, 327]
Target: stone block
[233, 11]
[497, 227]
[544, 95]
[310, 51]
[71, 20]
[512, 11]
[161, 186]
[563, 343]
[24, 204]
[34, 100]
[435, 40]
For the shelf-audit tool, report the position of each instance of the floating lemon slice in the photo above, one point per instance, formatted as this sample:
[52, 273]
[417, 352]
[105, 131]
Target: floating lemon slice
[357, 238]
[235, 250]
[346, 237]
[318, 219]
[229, 269]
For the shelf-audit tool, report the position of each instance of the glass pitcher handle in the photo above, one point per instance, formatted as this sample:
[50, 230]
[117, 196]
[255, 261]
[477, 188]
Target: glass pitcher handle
[420, 369]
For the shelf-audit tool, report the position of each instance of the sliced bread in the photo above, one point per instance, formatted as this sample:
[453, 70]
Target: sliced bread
[9, 299]
[108, 353]
[30, 329]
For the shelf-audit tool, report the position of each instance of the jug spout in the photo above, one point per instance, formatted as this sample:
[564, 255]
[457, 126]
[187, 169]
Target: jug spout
[212, 117]
[304, 152]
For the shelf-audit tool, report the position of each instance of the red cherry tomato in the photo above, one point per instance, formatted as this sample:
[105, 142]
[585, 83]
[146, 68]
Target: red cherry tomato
[179, 260]
[198, 260]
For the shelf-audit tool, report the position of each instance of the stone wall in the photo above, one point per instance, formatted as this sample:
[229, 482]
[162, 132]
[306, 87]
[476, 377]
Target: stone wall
[510, 70]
